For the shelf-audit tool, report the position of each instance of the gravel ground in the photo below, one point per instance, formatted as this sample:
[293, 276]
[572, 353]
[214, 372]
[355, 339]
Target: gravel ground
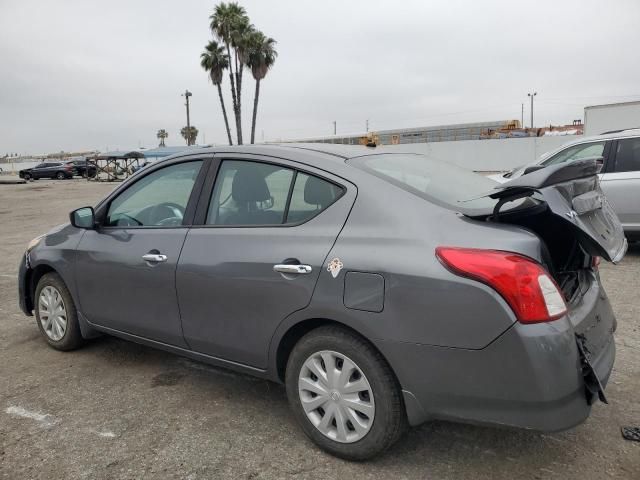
[118, 410]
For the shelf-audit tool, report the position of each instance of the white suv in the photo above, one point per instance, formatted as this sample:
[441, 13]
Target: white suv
[619, 175]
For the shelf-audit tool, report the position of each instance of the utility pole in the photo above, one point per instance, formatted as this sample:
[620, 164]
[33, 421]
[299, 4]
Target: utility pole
[367, 125]
[522, 115]
[187, 94]
[531, 95]
[334, 127]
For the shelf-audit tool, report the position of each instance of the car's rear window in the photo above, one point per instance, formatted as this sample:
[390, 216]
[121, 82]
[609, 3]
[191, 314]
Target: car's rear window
[434, 180]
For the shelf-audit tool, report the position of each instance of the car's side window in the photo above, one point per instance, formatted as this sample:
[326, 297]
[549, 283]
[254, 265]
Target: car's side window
[157, 199]
[577, 152]
[310, 196]
[249, 193]
[628, 155]
[254, 193]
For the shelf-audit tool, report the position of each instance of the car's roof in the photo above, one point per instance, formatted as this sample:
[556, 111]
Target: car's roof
[304, 152]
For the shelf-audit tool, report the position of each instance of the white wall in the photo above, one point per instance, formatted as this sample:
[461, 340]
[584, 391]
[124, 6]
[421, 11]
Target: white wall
[487, 155]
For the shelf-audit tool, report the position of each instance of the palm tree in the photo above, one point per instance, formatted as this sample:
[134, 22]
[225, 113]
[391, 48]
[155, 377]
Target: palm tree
[189, 134]
[261, 57]
[162, 134]
[227, 20]
[215, 62]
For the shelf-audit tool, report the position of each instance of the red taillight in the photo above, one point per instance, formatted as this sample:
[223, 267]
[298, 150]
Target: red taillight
[595, 262]
[523, 283]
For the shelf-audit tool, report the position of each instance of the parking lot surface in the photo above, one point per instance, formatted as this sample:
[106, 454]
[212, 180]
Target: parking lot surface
[115, 409]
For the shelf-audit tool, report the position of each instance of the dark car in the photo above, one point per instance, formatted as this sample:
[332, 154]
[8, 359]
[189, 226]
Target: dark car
[83, 168]
[48, 170]
[383, 289]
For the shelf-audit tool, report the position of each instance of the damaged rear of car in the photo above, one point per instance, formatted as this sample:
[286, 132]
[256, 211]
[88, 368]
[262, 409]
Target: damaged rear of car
[565, 207]
[537, 242]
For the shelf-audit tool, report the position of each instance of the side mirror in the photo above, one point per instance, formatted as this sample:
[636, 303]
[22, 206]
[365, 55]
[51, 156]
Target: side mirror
[83, 218]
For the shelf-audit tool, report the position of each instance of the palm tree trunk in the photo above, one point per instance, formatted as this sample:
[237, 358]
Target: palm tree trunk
[239, 69]
[255, 111]
[234, 97]
[224, 114]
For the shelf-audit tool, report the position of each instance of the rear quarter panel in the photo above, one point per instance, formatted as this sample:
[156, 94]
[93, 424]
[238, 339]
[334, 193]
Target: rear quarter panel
[394, 233]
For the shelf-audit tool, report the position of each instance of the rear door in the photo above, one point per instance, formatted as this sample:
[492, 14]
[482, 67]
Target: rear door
[266, 228]
[572, 192]
[621, 182]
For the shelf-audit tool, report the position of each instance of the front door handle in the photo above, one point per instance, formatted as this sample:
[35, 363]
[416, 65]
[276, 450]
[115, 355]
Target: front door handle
[289, 268]
[154, 257]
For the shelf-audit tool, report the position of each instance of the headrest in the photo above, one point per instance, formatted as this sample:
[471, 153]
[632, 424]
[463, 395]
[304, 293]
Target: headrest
[249, 186]
[318, 192]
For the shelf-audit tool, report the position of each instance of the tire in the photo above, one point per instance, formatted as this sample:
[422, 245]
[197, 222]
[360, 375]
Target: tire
[60, 176]
[71, 337]
[27, 176]
[389, 420]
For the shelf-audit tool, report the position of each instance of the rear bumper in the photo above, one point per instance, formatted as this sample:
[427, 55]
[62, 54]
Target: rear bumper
[530, 377]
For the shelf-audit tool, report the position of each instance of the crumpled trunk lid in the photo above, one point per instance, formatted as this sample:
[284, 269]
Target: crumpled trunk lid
[572, 193]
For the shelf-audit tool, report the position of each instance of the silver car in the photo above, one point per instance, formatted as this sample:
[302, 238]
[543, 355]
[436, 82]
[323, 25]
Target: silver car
[618, 153]
[383, 289]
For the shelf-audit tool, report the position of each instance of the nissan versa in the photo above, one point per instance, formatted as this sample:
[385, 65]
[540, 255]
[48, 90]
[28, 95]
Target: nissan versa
[383, 289]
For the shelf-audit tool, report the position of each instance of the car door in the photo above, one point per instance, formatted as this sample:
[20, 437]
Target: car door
[621, 182]
[49, 171]
[266, 229]
[126, 267]
[39, 171]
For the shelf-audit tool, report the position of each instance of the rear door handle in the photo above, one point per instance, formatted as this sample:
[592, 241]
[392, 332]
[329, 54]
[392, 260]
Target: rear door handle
[295, 269]
[154, 257]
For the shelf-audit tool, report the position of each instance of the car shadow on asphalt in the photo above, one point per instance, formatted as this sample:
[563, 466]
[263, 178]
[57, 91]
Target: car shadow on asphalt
[444, 441]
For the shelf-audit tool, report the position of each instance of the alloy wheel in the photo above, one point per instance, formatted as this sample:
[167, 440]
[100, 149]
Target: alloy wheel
[52, 312]
[336, 396]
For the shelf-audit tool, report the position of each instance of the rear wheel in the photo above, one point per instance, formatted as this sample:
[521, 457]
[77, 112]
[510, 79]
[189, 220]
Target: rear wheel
[60, 176]
[344, 394]
[27, 176]
[56, 313]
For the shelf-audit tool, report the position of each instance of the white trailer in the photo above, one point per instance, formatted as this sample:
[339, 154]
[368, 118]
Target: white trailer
[599, 119]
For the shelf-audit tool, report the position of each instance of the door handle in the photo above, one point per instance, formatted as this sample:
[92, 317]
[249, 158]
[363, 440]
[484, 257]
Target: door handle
[154, 257]
[295, 269]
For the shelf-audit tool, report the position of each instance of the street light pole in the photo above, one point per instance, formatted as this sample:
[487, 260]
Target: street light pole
[334, 127]
[187, 94]
[531, 95]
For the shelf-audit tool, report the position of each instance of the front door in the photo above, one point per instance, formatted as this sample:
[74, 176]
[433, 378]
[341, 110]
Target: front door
[267, 230]
[126, 267]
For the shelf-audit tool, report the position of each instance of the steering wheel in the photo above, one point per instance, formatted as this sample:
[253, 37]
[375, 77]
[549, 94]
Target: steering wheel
[167, 213]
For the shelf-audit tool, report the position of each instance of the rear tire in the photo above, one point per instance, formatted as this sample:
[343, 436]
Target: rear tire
[56, 314]
[27, 176]
[372, 435]
[60, 176]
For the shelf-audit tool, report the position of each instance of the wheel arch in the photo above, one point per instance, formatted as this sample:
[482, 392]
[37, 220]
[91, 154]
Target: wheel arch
[294, 332]
[31, 280]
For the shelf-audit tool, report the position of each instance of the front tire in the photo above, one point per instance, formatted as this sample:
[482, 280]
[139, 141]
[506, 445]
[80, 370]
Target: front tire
[56, 314]
[60, 176]
[344, 394]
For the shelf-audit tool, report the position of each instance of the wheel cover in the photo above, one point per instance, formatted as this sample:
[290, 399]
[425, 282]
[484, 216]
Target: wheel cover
[52, 313]
[336, 396]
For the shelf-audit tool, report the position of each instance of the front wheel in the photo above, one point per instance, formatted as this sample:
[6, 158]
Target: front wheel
[27, 176]
[344, 394]
[56, 313]
[60, 176]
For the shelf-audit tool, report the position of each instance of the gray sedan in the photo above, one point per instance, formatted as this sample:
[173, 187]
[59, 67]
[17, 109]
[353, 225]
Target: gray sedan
[383, 289]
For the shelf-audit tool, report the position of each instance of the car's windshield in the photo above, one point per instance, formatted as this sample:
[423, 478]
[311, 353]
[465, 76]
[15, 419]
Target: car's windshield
[435, 180]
